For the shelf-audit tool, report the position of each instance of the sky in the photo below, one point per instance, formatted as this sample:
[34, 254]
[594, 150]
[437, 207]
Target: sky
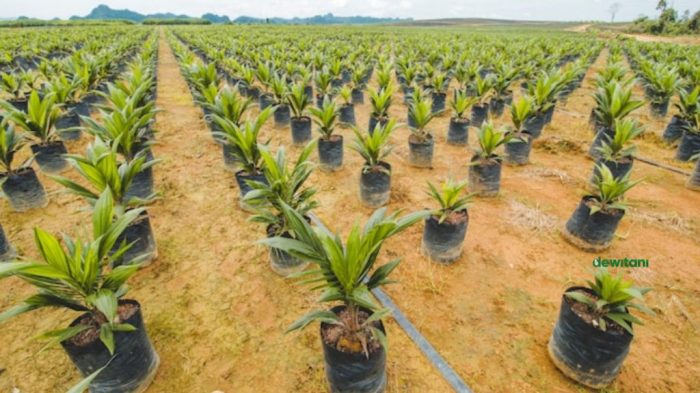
[563, 10]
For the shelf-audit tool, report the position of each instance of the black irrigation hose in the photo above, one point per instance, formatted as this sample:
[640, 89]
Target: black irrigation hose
[423, 344]
[663, 166]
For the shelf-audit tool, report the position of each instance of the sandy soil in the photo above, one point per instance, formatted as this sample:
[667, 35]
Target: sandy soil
[580, 28]
[216, 312]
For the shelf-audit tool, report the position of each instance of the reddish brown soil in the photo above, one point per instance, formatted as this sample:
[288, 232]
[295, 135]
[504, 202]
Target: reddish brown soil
[340, 338]
[89, 336]
[216, 312]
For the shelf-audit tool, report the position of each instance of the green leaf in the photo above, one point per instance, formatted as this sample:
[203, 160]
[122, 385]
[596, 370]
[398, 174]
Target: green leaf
[123, 327]
[617, 318]
[106, 302]
[378, 315]
[51, 250]
[83, 385]
[581, 298]
[107, 337]
[381, 337]
[103, 213]
[320, 316]
[10, 268]
[57, 336]
[16, 310]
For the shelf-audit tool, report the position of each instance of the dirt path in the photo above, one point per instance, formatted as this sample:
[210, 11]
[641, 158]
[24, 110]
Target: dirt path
[580, 28]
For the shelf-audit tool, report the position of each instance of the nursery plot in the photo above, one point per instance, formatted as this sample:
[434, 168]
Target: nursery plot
[216, 312]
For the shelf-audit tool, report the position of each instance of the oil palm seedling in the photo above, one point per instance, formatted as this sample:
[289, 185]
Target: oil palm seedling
[346, 112]
[502, 95]
[330, 145]
[15, 86]
[80, 275]
[518, 150]
[283, 187]
[248, 83]
[485, 164]
[352, 333]
[593, 224]
[690, 141]
[384, 76]
[446, 227]
[613, 102]
[688, 104]
[420, 142]
[128, 131]
[458, 132]
[264, 73]
[380, 101]
[245, 147]
[40, 122]
[592, 336]
[617, 153]
[102, 170]
[20, 185]
[662, 82]
[358, 84]
[480, 109]
[544, 94]
[323, 81]
[229, 104]
[280, 91]
[375, 177]
[66, 93]
[300, 123]
[439, 85]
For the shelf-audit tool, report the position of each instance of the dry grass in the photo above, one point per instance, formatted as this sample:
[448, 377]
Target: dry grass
[556, 145]
[671, 220]
[531, 217]
[543, 172]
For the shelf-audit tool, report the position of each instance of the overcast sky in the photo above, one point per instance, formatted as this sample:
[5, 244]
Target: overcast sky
[418, 9]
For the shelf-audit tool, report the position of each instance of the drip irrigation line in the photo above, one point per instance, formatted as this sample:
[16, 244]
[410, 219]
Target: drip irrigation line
[663, 166]
[423, 344]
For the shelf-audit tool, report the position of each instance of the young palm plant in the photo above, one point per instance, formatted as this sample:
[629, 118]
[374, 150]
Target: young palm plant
[485, 165]
[39, 121]
[375, 179]
[347, 274]
[461, 103]
[688, 104]
[381, 102]
[330, 145]
[420, 142]
[102, 170]
[613, 102]
[518, 151]
[229, 104]
[81, 276]
[446, 227]
[346, 111]
[243, 141]
[594, 329]
[593, 224]
[617, 153]
[20, 185]
[299, 101]
[283, 186]
[480, 109]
